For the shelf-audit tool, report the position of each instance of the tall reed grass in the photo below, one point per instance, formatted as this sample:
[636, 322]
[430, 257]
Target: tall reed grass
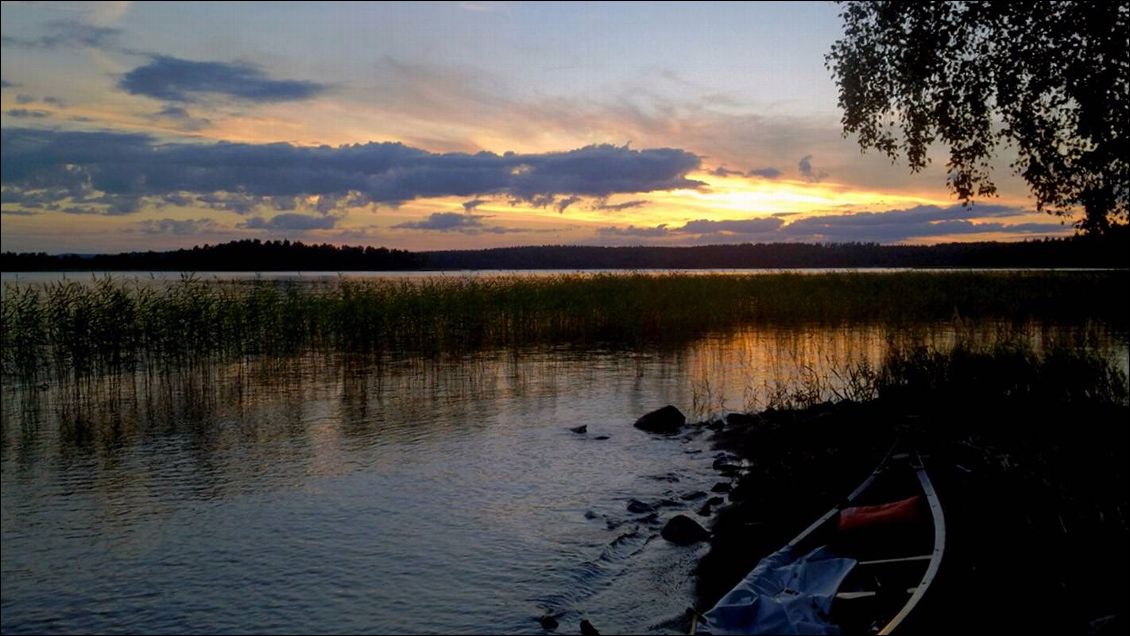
[71, 327]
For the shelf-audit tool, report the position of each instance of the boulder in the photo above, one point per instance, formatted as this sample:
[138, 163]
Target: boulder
[682, 530]
[580, 429]
[548, 622]
[665, 420]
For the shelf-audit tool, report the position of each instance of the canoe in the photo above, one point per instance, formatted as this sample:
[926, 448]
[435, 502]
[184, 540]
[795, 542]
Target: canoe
[861, 568]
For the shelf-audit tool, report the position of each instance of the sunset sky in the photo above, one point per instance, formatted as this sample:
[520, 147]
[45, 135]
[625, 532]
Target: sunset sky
[450, 125]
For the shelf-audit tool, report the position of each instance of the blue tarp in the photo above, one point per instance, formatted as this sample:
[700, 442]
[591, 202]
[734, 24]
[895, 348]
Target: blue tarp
[784, 594]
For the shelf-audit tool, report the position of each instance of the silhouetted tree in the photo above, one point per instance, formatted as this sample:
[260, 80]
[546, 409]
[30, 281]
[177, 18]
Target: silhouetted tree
[1049, 78]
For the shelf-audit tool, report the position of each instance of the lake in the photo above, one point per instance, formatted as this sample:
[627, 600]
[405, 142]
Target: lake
[390, 493]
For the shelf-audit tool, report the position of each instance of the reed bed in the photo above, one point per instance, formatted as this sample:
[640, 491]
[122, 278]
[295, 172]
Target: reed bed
[65, 328]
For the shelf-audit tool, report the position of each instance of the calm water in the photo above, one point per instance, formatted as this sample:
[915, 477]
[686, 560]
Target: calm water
[332, 495]
[49, 277]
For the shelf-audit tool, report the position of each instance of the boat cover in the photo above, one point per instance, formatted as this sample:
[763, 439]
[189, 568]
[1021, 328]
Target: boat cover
[784, 594]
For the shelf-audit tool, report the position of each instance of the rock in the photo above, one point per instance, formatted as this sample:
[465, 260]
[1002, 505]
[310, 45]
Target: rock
[665, 420]
[742, 420]
[548, 622]
[691, 496]
[708, 507]
[722, 486]
[682, 530]
[635, 505]
[601, 438]
[580, 430]
[587, 629]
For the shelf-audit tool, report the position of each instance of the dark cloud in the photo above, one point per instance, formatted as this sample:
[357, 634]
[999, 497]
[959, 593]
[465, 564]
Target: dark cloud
[742, 227]
[808, 172]
[68, 34]
[634, 231]
[6, 84]
[292, 222]
[616, 207]
[565, 203]
[472, 204]
[536, 200]
[176, 80]
[27, 198]
[27, 113]
[764, 173]
[24, 99]
[180, 118]
[454, 222]
[924, 221]
[895, 226]
[239, 176]
[55, 101]
[723, 171]
[179, 227]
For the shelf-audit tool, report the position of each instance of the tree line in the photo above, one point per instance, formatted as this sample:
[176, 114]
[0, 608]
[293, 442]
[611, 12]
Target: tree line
[1108, 250]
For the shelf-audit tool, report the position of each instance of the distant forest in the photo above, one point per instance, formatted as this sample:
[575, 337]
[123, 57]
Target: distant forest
[1110, 250]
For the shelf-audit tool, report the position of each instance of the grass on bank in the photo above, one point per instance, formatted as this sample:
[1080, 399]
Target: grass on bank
[109, 324]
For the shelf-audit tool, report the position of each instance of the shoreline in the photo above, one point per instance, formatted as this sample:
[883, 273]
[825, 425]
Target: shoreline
[1034, 495]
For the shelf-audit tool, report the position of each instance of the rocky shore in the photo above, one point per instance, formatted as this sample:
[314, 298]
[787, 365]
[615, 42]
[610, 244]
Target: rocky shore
[1035, 494]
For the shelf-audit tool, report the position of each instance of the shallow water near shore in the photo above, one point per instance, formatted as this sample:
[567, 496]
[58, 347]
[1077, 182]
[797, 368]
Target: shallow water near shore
[331, 494]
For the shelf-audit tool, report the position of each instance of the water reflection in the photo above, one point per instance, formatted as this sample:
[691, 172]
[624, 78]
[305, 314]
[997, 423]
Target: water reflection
[373, 495]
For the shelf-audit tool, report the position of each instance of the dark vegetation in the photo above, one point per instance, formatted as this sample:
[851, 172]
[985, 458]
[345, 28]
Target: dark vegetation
[1111, 250]
[1029, 453]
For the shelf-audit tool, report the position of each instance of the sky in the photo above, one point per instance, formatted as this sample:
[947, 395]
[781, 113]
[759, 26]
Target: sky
[462, 125]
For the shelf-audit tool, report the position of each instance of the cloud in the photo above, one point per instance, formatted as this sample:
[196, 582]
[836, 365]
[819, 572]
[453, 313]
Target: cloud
[742, 227]
[179, 227]
[55, 101]
[107, 204]
[454, 222]
[472, 204]
[616, 207]
[923, 221]
[808, 172]
[176, 80]
[181, 119]
[244, 175]
[565, 203]
[292, 222]
[27, 198]
[764, 173]
[68, 34]
[27, 113]
[24, 99]
[6, 84]
[723, 171]
[894, 226]
[634, 231]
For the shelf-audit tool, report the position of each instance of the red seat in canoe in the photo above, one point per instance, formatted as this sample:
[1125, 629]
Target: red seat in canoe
[895, 512]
